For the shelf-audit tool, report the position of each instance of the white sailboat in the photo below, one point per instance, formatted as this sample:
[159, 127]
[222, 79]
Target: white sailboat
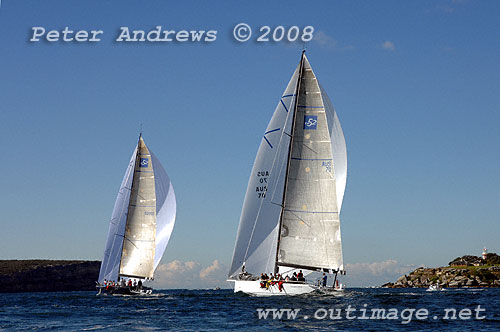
[139, 230]
[290, 216]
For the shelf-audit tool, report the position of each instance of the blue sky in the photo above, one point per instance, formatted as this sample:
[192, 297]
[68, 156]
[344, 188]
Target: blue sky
[415, 83]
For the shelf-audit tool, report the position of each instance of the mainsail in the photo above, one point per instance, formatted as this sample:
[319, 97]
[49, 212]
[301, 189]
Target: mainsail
[142, 219]
[290, 216]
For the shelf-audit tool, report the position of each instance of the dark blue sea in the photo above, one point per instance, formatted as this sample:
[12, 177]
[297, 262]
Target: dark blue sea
[219, 310]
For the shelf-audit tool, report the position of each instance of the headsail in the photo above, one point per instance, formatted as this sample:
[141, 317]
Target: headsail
[258, 229]
[112, 253]
[142, 220]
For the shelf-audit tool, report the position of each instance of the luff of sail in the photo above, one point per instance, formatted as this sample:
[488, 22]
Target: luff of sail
[257, 237]
[310, 225]
[150, 178]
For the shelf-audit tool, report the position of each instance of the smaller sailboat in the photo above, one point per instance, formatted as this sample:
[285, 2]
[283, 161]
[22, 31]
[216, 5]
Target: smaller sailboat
[289, 225]
[140, 227]
[435, 288]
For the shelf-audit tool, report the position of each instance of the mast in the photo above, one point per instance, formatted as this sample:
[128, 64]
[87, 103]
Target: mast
[299, 79]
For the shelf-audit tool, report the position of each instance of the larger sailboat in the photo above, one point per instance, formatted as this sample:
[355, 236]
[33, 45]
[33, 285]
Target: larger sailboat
[290, 216]
[141, 223]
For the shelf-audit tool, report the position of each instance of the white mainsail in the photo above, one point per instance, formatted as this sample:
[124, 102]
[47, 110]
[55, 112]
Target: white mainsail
[142, 219]
[310, 224]
[313, 171]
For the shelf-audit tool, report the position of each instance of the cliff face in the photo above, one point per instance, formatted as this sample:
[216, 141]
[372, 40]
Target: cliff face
[474, 272]
[47, 275]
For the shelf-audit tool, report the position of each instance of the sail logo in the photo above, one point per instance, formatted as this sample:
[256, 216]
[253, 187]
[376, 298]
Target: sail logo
[310, 122]
[144, 162]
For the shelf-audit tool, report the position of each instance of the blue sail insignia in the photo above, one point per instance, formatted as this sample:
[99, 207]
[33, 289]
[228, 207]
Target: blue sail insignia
[310, 122]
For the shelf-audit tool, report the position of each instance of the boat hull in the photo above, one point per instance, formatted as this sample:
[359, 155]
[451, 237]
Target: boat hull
[327, 290]
[123, 290]
[252, 287]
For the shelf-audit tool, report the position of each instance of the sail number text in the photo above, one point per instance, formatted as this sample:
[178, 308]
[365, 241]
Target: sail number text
[261, 187]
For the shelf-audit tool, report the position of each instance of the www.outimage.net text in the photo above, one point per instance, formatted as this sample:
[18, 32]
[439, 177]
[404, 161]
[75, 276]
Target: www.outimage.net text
[350, 313]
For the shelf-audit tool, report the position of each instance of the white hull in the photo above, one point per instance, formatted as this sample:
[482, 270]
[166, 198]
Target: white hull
[339, 288]
[252, 287]
[123, 290]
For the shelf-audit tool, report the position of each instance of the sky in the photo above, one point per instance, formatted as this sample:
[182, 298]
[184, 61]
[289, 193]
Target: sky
[416, 85]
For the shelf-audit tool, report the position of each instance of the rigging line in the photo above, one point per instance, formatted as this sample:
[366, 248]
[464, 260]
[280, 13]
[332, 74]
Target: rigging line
[302, 220]
[304, 145]
[129, 189]
[270, 174]
[125, 238]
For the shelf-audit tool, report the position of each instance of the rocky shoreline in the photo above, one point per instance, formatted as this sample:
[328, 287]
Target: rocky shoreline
[47, 275]
[474, 273]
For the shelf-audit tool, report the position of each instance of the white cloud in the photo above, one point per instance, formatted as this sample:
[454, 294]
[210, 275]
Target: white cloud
[450, 6]
[178, 266]
[388, 45]
[191, 275]
[324, 40]
[378, 268]
[375, 274]
[206, 272]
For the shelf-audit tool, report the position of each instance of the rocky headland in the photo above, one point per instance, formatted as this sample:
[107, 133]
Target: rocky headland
[47, 275]
[465, 271]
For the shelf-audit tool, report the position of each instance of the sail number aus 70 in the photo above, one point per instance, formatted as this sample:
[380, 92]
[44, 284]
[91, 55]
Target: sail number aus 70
[261, 187]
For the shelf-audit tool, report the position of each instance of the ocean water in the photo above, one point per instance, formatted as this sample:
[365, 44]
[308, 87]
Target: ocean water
[219, 310]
